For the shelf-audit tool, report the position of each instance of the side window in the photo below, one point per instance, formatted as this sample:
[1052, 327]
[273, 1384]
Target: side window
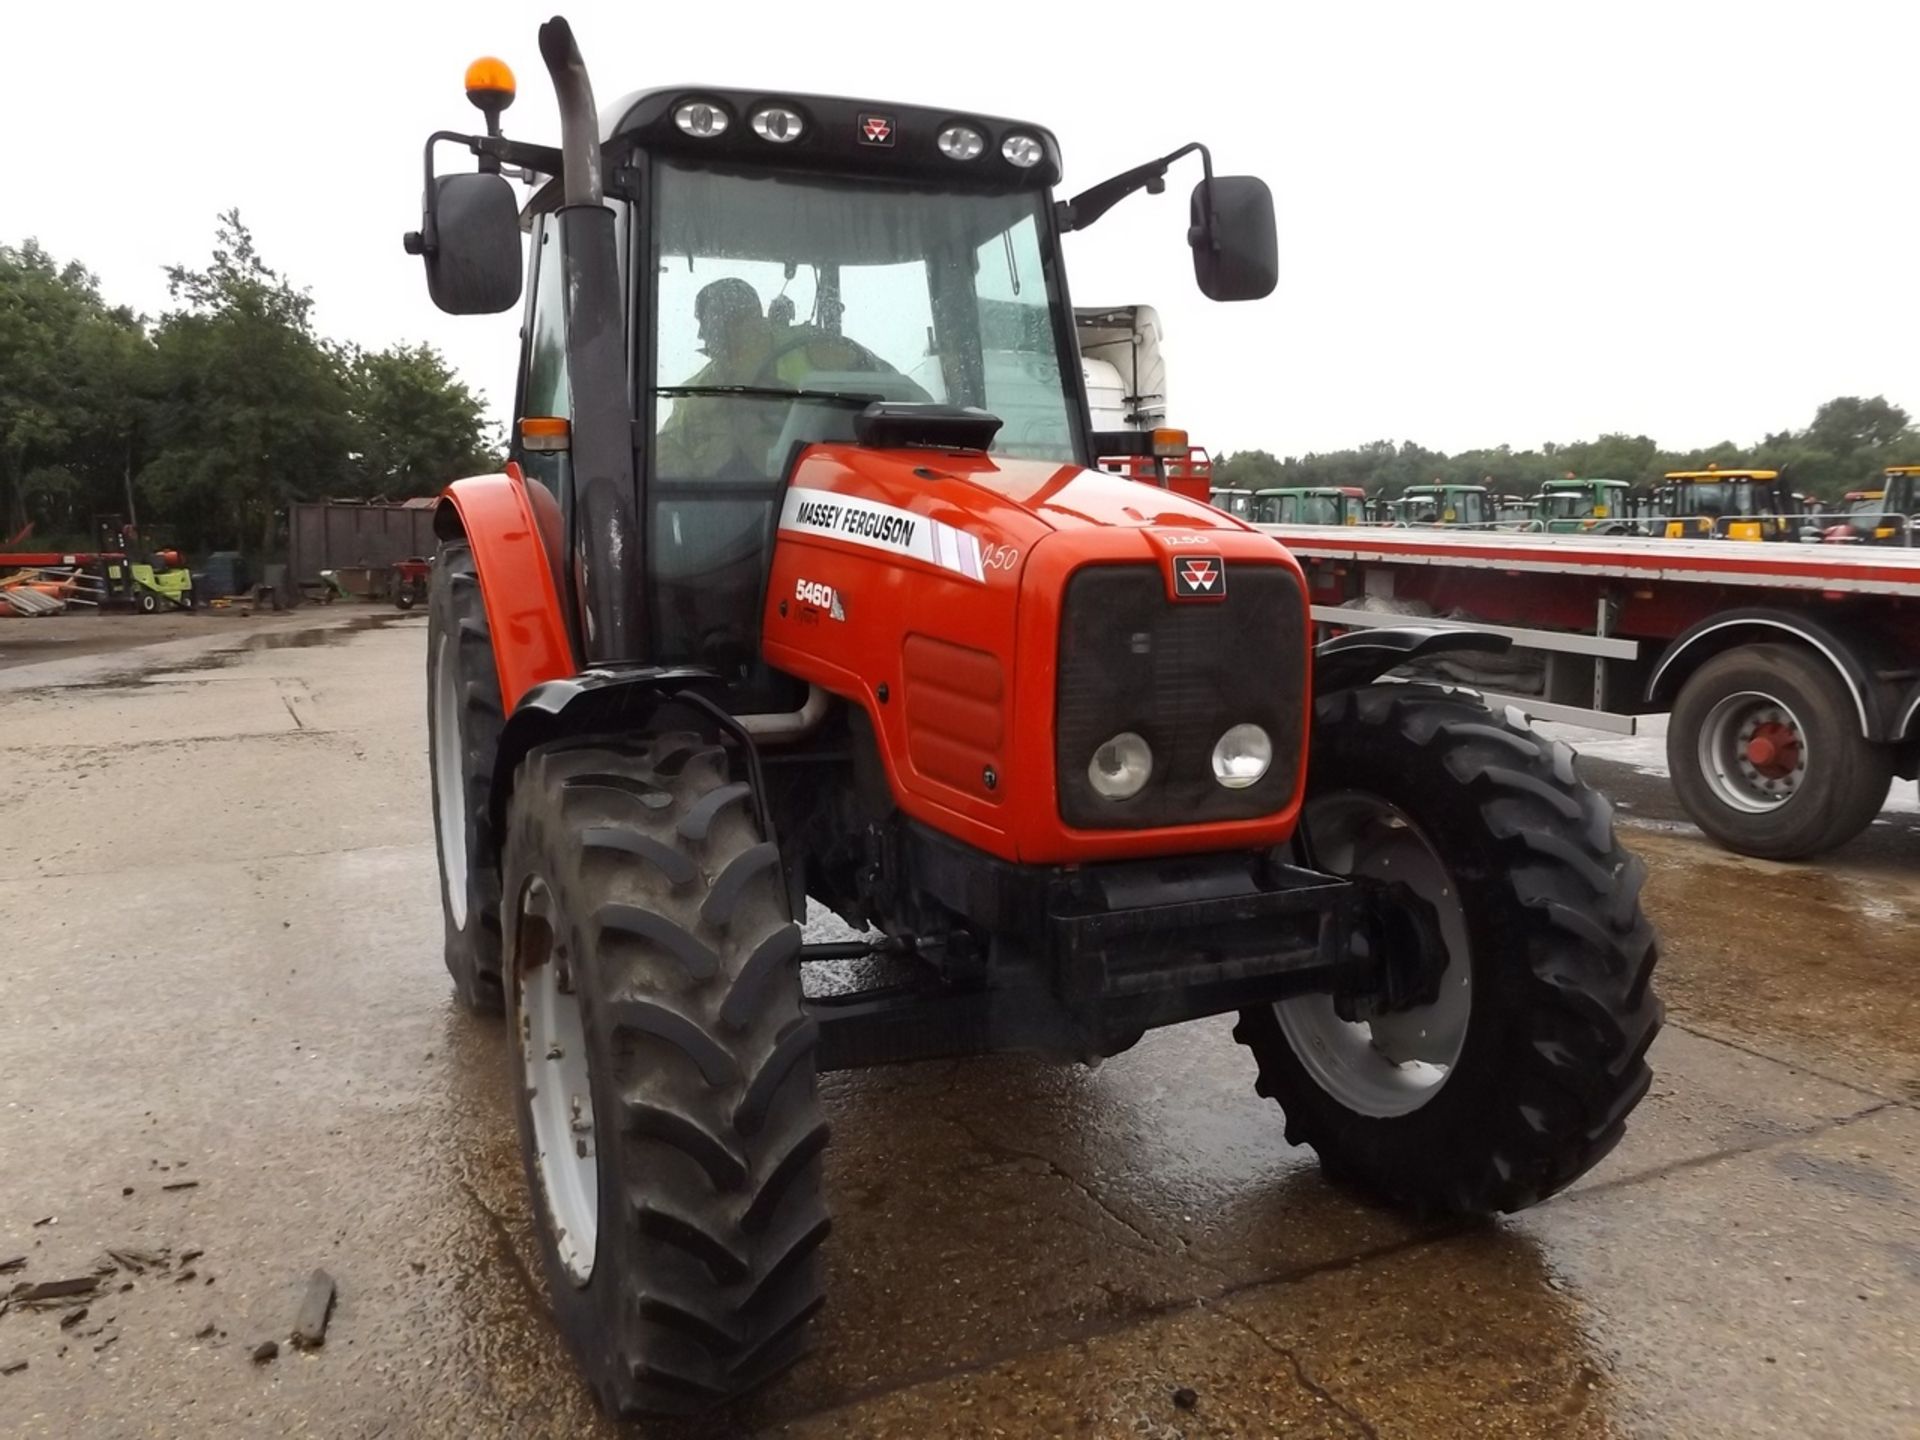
[1016, 325]
[547, 391]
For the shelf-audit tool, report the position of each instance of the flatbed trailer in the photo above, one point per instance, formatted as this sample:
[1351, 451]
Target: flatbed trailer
[1792, 671]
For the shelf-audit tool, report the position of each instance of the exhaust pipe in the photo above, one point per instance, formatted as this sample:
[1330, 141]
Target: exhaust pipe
[600, 497]
[579, 121]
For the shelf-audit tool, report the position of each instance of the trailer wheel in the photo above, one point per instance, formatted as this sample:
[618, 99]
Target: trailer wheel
[1519, 1075]
[1766, 754]
[464, 719]
[664, 1072]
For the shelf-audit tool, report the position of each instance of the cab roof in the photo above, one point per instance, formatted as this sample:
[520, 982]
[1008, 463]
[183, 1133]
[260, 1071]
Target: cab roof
[1723, 475]
[854, 136]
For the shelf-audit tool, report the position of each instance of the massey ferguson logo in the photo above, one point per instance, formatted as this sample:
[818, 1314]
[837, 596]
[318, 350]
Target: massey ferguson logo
[876, 130]
[1199, 577]
[822, 597]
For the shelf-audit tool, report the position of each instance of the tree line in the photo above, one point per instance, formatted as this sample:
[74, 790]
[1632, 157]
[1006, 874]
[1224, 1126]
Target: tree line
[1849, 441]
[207, 422]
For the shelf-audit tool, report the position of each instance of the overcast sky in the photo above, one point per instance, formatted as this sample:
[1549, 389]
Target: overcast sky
[1497, 223]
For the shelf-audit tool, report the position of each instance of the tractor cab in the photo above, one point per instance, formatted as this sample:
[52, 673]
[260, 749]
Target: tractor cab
[1314, 505]
[1729, 504]
[1237, 503]
[1883, 516]
[1513, 512]
[1449, 506]
[1573, 505]
[786, 271]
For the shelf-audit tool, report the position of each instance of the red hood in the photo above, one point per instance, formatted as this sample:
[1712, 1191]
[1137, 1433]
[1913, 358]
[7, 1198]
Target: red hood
[1059, 497]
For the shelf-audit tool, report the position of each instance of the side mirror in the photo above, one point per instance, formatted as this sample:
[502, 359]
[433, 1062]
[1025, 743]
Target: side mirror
[471, 243]
[1243, 261]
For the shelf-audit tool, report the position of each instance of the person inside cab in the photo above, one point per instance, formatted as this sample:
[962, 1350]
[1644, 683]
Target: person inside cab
[720, 434]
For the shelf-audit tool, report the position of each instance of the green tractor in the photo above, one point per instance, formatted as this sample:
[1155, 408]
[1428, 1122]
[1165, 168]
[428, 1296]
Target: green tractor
[1310, 505]
[1451, 507]
[1514, 512]
[1576, 506]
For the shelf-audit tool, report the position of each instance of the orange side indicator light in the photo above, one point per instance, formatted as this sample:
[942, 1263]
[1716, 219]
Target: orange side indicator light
[544, 433]
[1170, 444]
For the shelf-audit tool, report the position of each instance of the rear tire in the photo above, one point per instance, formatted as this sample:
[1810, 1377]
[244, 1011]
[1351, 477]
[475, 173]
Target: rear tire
[464, 720]
[1546, 1009]
[1836, 787]
[692, 1275]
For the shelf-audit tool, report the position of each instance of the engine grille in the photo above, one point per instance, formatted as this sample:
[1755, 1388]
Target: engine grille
[1179, 674]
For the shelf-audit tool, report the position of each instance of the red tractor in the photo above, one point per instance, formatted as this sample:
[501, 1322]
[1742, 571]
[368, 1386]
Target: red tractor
[802, 583]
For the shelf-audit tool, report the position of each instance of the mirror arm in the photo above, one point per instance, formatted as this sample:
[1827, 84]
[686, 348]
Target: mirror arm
[492, 149]
[1089, 205]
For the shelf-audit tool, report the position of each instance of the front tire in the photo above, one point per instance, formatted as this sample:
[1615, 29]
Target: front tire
[464, 720]
[1766, 754]
[1518, 1077]
[664, 1072]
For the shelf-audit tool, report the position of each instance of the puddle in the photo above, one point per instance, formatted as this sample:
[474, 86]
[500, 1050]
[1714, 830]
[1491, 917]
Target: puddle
[306, 637]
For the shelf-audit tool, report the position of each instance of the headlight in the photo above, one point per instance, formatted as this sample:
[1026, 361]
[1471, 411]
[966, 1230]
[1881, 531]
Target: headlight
[961, 142]
[701, 120]
[1121, 767]
[1241, 756]
[1022, 150]
[777, 123]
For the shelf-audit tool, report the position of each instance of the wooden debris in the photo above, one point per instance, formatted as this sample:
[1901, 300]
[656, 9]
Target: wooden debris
[310, 1327]
[56, 1289]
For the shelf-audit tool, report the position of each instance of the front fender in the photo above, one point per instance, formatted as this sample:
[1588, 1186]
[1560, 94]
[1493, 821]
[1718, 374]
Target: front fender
[610, 700]
[1363, 655]
[498, 517]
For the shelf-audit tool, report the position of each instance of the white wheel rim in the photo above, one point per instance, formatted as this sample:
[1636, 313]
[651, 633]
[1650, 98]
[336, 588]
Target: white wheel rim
[449, 783]
[554, 1069]
[1728, 763]
[1396, 1063]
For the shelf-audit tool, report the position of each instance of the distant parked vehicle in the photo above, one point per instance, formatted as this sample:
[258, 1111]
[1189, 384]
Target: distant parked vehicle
[1575, 506]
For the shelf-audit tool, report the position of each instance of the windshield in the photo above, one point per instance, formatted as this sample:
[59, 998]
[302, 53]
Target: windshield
[1869, 505]
[1320, 509]
[1723, 497]
[1565, 504]
[770, 285]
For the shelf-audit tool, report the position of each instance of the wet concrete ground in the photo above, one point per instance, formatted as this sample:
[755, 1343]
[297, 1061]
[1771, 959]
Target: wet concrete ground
[222, 967]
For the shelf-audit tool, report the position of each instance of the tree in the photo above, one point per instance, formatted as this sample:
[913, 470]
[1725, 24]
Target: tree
[418, 425]
[253, 407]
[73, 375]
[1248, 470]
[1848, 423]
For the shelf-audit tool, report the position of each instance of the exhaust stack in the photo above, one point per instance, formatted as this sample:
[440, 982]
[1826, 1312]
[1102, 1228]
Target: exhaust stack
[579, 120]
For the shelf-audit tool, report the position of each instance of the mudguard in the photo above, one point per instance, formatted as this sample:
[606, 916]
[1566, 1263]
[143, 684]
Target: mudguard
[498, 518]
[1363, 655]
[1851, 657]
[614, 698]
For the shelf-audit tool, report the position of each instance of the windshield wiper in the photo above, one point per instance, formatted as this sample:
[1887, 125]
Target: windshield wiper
[776, 392]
